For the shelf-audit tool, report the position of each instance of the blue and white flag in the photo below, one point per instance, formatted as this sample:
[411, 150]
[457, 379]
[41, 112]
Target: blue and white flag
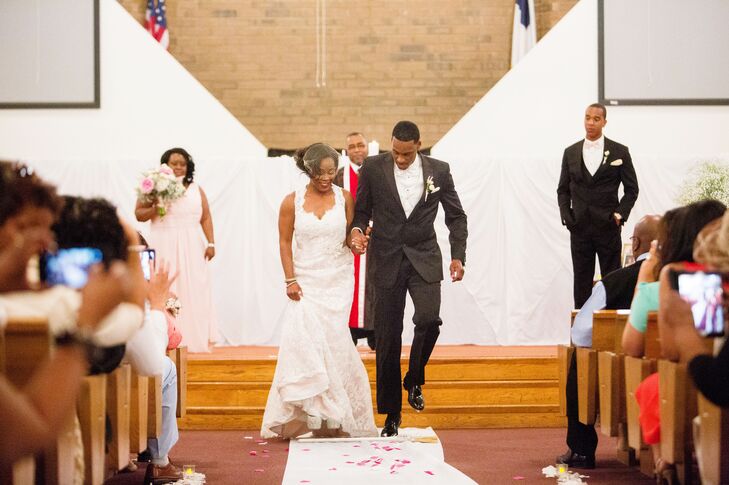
[524, 36]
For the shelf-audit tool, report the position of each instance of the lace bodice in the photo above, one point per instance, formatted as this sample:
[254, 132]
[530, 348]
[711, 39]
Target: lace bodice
[318, 241]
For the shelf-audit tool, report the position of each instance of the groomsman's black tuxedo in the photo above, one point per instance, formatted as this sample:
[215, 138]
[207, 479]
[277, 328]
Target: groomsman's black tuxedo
[587, 204]
[403, 255]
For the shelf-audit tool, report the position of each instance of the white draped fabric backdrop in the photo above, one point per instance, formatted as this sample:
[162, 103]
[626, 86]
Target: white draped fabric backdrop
[517, 289]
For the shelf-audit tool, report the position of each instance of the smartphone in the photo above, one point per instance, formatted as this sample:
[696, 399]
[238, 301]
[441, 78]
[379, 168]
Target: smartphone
[69, 266]
[704, 290]
[147, 258]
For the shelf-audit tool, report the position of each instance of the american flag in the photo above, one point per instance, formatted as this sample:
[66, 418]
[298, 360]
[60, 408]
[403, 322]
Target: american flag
[157, 22]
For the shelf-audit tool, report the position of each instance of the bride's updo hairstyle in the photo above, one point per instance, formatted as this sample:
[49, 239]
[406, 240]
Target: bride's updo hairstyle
[309, 159]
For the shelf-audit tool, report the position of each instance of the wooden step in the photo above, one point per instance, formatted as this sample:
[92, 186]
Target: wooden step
[437, 393]
[439, 417]
[501, 368]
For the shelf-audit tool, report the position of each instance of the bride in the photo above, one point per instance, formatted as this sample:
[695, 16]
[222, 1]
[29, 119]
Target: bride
[320, 384]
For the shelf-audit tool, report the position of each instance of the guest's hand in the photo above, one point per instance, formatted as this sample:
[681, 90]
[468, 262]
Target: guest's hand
[209, 253]
[647, 272]
[618, 219]
[457, 270]
[673, 310]
[14, 257]
[160, 282]
[294, 292]
[103, 292]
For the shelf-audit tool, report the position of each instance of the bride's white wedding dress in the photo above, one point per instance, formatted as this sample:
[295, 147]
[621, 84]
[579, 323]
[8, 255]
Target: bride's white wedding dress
[319, 373]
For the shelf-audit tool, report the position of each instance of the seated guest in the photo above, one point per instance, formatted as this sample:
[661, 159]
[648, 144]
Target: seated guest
[709, 373]
[676, 235]
[614, 292]
[30, 421]
[678, 231]
[95, 223]
[172, 308]
[158, 448]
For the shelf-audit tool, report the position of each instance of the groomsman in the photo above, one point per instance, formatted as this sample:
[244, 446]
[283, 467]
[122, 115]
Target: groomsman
[587, 193]
[361, 323]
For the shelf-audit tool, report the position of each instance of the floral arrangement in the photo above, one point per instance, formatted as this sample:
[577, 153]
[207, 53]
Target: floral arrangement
[707, 180]
[161, 187]
[173, 306]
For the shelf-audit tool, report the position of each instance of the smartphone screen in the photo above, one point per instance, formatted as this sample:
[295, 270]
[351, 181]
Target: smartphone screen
[147, 258]
[705, 294]
[69, 266]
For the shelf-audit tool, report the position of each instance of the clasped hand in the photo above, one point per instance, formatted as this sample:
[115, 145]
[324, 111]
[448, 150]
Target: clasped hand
[358, 241]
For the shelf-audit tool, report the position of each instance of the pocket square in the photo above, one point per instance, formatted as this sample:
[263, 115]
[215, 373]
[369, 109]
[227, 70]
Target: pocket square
[617, 163]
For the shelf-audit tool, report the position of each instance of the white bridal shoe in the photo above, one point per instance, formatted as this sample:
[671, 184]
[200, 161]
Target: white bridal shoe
[333, 424]
[313, 422]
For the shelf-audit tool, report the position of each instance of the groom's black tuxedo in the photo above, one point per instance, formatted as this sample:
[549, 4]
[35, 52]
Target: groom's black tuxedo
[393, 234]
[404, 256]
[587, 203]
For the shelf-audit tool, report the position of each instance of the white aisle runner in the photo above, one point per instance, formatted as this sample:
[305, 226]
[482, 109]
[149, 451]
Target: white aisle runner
[393, 461]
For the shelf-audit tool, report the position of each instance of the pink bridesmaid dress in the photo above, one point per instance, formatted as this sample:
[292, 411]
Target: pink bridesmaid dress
[178, 239]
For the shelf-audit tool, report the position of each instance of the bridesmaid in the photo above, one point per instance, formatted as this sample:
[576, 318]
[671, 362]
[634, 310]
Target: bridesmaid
[178, 240]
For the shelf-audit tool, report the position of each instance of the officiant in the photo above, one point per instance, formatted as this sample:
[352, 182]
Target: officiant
[361, 324]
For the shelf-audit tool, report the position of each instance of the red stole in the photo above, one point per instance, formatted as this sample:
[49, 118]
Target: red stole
[356, 314]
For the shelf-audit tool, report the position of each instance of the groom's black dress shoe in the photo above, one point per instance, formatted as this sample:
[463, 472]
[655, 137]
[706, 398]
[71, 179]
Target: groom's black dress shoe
[574, 460]
[392, 423]
[415, 397]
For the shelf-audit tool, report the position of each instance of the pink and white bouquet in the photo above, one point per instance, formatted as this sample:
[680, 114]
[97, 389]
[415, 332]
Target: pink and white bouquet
[160, 187]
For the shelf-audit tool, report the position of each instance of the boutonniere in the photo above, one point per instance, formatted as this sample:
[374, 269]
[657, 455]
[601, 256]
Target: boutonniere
[605, 155]
[430, 187]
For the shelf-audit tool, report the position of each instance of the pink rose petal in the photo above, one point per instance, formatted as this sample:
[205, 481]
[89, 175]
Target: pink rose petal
[333, 469]
[518, 477]
[253, 453]
[258, 470]
[265, 451]
[305, 449]
[429, 472]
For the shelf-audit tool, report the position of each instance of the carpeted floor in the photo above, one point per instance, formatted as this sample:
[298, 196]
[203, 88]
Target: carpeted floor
[489, 456]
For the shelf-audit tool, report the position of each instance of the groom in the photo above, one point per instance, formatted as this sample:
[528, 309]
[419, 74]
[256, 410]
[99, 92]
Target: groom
[400, 192]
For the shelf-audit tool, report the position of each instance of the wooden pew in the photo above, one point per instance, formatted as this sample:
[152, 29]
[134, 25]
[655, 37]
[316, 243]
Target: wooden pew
[677, 398]
[154, 407]
[138, 412]
[712, 442]
[92, 416]
[607, 333]
[28, 343]
[118, 404]
[586, 385]
[564, 357]
[652, 338]
[179, 357]
[611, 377]
[636, 370]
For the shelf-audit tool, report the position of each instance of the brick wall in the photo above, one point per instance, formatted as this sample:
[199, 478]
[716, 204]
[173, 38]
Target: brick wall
[428, 61]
